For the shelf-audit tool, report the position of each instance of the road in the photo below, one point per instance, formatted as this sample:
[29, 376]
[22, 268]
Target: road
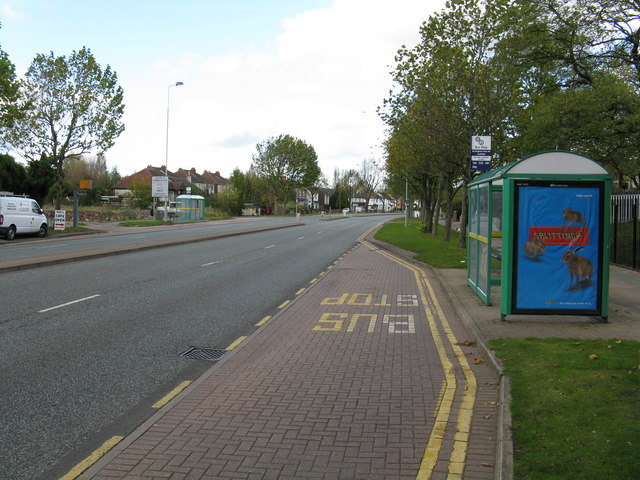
[26, 246]
[87, 347]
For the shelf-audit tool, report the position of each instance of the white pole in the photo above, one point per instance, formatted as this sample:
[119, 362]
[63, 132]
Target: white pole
[166, 153]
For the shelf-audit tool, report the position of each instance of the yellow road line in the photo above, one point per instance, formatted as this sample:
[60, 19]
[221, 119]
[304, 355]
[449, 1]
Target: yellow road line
[263, 321]
[76, 471]
[465, 413]
[284, 304]
[169, 396]
[300, 291]
[236, 343]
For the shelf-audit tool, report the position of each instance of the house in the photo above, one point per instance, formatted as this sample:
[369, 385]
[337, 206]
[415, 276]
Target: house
[216, 182]
[313, 201]
[123, 187]
[192, 178]
[208, 183]
[380, 203]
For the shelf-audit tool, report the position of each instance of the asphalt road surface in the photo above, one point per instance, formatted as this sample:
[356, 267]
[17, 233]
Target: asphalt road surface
[87, 348]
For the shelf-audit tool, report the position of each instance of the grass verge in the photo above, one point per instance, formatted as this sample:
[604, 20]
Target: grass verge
[143, 223]
[574, 407]
[70, 230]
[429, 249]
[153, 223]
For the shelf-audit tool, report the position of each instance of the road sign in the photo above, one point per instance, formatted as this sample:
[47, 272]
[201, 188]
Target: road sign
[60, 220]
[480, 153]
[160, 186]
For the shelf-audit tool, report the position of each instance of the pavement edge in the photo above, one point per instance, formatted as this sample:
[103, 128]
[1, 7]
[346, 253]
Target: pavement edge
[504, 441]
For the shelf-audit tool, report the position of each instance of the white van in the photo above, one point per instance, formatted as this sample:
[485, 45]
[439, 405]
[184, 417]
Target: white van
[20, 214]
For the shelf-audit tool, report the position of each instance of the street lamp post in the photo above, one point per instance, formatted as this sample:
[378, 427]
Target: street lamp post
[166, 158]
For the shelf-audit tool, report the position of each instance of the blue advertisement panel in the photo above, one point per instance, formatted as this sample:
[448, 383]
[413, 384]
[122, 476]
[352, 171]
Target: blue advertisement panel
[558, 247]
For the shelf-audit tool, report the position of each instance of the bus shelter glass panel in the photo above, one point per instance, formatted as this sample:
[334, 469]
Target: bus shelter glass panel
[473, 209]
[483, 217]
[496, 236]
[473, 263]
[483, 278]
[496, 212]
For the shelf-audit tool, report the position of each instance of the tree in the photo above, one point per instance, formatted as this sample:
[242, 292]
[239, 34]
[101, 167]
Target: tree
[587, 98]
[72, 107]
[339, 199]
[12, 175]
[601, 121]
[140, 194]
[40, 179]
[248, 187]
[450, 86]
[369, 180]
[286, 163]
[9, 92]
[89, 167]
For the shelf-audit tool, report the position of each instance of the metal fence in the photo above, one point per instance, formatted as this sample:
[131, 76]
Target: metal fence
[625, 216]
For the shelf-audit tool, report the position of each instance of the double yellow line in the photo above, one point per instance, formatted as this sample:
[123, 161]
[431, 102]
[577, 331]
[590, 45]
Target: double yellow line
[438, 323]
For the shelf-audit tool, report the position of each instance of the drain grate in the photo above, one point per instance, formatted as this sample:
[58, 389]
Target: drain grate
[197, 353]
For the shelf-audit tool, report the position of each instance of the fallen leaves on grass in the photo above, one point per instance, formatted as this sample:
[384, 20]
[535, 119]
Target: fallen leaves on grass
[593, 356]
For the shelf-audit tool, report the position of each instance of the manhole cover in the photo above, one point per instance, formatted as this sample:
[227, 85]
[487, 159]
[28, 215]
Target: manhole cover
[197, 353]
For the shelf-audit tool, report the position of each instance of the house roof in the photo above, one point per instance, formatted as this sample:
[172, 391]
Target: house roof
[143, 175]
[176, 179]
[190, 175]
[214, 178]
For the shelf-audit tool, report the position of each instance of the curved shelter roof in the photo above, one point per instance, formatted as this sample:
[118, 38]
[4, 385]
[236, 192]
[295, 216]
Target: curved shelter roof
[555, 164]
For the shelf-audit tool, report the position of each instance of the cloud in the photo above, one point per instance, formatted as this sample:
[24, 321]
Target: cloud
[242, 140]
[320, 80]
[8, 11]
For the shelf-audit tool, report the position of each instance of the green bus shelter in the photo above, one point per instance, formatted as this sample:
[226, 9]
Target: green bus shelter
[190, 207]
[539, 227]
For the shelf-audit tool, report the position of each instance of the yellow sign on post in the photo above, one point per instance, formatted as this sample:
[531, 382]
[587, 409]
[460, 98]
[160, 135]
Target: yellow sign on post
[86, 184]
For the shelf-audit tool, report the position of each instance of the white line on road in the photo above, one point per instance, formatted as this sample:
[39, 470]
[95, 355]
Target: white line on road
[69, 303]
[300, 238]
[211, 263]
[270, 246]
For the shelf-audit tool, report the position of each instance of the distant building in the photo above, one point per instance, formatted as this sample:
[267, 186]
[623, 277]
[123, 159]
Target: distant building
[208, 183]
[313, 200]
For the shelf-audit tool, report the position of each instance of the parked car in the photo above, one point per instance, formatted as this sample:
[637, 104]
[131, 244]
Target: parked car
[19, 215]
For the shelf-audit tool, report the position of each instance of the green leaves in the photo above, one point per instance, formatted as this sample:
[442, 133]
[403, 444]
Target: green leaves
[286, 163]
[74, 107]
[71, 106]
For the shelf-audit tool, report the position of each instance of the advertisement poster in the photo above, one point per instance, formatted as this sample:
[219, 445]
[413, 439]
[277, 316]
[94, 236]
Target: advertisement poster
[558, 247]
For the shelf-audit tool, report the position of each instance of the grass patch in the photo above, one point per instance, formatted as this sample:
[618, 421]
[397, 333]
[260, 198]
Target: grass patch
[153, 223]
[429, 249]
[70, 230]
[575, 407]
[143, 223]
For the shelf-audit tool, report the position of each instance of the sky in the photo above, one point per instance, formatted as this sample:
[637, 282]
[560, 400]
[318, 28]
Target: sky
[251, 70]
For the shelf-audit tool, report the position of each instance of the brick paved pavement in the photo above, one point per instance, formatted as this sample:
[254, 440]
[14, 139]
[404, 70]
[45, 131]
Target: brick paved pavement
[367, 374]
